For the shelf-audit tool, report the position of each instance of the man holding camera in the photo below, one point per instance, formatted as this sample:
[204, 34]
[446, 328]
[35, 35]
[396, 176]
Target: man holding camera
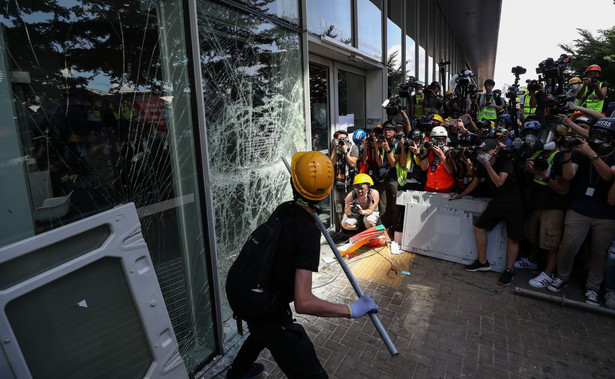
[506, 205]
[593, 92]
[387, 153]
[590, 167]
[440, 168]
[344, 159]
[489, 103]
[361, 204]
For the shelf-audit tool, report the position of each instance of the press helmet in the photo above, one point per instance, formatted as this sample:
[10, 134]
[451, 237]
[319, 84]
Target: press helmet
[532, 125]
[358, 135]
[606, 123]
[312, 175]
[438, 131]
[508, 120]
[363, 178]
[593, 67]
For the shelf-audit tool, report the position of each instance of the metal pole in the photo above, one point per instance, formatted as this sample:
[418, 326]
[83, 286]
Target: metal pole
[561, 300]
[375, 320]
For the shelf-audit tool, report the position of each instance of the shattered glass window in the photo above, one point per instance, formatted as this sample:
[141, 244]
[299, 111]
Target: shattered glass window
[254, 109]
[95, 111]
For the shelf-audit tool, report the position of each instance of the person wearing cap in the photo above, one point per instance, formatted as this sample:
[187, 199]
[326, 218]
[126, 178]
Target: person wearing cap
[593, 92]
[590, 167]
[434, 99]
[575, 86]
[506, 205]
[451, 106]
[297, 258]
[387, 151]
[545, 205]
[488, 104]
[361, 204]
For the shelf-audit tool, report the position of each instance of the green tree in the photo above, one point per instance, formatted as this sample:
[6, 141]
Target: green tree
[590, 49]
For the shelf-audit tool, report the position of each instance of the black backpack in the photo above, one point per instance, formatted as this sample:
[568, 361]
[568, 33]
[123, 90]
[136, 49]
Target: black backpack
[248, 284]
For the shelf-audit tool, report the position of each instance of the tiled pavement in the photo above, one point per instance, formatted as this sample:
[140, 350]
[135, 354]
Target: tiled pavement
[449, 323]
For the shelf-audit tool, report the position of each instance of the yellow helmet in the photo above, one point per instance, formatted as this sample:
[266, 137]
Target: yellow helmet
[574, 80]
[312, 174]
[437, 117]
[363, 178]
[449, 92]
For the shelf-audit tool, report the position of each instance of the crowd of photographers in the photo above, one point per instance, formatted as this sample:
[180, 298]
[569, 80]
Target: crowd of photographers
[546, 163]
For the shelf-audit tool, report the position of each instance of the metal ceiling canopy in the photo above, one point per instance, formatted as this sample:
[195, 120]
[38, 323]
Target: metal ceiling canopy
[475, 25]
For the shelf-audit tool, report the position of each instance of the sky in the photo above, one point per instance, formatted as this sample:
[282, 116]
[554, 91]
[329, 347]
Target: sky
[530, 31]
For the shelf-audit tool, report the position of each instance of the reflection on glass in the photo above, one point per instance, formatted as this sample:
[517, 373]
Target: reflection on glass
[287, 10]
[410, 60]
[369, 22]
[319, 106]
[351, 88]
[330, 18]
[253, 94]
[432, 73]
[95, 113]
[422, 72]
[394, 48]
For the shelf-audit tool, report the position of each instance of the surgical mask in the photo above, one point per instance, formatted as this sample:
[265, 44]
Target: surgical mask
[419, 91]
[574, 86]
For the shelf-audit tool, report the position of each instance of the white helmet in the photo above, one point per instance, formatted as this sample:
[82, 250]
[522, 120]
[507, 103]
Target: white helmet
[438, 131]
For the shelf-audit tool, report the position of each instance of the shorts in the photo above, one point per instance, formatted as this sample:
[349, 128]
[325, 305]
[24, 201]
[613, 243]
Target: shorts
[512, 217]
[545, 227]
[353, 220]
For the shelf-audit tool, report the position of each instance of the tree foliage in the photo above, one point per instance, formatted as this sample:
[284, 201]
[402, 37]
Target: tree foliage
[589, 49]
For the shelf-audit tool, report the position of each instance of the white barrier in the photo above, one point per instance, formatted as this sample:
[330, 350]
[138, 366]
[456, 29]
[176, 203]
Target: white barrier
[440, 228]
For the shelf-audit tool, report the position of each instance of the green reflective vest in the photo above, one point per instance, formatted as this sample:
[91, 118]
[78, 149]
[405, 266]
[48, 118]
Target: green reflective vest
[527, 110]
[591, 101]
[418, 105]
[550, 162]
[485, 112]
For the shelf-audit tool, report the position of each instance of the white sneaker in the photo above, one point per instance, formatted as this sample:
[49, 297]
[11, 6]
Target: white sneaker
[591, 298]
[541, 281]
[525, 263]
[609, 300]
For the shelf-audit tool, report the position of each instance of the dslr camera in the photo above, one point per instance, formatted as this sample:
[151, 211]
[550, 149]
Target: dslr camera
[550, 68]
[407, 89]
[354, 207]
[392, 105]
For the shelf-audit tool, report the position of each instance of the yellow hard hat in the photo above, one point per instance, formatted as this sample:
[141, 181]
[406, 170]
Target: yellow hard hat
[574, 80]
[312, 174]
[449, 92]
[438, 117]
[363, 178]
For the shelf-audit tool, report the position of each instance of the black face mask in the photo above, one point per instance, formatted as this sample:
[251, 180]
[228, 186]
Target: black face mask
[601, 147]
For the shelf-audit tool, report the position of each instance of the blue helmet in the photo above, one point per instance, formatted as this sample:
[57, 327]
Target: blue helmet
[358, 135]
[533, 125]
[507, 119]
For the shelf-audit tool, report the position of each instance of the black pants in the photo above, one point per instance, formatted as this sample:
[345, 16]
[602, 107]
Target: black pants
[290, 346]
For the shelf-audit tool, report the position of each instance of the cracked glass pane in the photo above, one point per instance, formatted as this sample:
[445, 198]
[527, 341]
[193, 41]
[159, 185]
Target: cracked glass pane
[253, 93]
[95, 110]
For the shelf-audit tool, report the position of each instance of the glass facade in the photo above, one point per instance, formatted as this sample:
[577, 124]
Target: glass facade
[254, 109]
[331, 18]
[96, 112]
[351, 91]
[395, 57]
[369, 24]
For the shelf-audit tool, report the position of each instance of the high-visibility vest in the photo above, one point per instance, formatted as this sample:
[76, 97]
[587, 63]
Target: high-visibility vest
[527, 110]
[402, 172]
[592, 101]
[485, 112]
[550, 162]
[438, 178]
[418, 105]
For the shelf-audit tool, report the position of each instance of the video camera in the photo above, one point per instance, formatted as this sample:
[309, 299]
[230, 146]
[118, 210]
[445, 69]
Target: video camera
[558, 104]
[392, 105]
[550, 68]
[407, 89]
[513, 90]
[425, 123]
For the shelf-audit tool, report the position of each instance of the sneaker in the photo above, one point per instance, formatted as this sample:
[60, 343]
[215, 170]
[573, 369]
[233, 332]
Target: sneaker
[591, 298]
[609, 300]
[506, 277]
[541, 281]
[525, 263]
[477, 266]
[557, 284]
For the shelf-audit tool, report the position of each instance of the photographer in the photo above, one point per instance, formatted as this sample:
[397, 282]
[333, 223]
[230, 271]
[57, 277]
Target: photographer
[574, 85]
[593, 92]
[410, 176]
[344, 160]
[506, 205]
[361, 204]
[434, 100]
[418, 104]
[440, 168]
[450, 108]
[387, 153]
[589, 167]
[545, 203]
[528, 101]
[489, 103]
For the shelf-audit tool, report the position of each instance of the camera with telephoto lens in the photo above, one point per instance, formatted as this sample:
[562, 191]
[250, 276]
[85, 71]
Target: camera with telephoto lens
[570, 142]
[532, 85]
[558, 104]
[354, 207]
[550, 68]
[509, 151]
[407, 89]
[405, 142]
[540, 163]
[428, 144]
[595, 79]
[467, 139]
[342, 141]
[483, 124]
[392, 105]
[381, 138]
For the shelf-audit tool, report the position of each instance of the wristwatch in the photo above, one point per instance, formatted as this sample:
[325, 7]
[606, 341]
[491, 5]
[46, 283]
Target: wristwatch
[594, 158]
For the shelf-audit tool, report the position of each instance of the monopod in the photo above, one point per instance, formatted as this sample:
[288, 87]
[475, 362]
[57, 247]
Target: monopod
[375, 320]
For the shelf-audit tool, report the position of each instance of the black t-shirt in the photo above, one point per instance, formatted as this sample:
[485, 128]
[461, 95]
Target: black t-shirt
[588, 192]
[538, 196]
[507, 195]
[386, 173]
[298, 248]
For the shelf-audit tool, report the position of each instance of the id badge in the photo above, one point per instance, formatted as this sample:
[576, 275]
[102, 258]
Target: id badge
[590, 191]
